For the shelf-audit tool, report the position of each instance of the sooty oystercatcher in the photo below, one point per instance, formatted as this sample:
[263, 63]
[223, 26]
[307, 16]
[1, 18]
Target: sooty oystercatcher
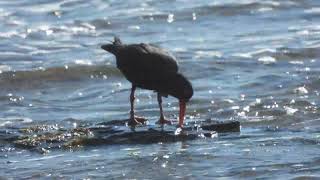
[149, 67]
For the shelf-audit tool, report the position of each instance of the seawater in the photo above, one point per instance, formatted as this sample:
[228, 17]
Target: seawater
[252, 61]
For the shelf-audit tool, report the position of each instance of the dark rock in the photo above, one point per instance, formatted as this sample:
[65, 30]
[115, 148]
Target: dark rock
[111, 133]
[222, 127]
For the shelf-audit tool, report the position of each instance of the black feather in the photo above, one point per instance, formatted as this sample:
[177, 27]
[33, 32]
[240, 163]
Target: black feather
[150, 67]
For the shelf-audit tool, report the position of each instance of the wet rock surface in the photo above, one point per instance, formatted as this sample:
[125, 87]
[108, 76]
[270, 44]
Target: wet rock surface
[44, 138]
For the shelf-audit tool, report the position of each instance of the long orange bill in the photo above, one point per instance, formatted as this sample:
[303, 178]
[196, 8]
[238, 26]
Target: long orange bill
[182, 105]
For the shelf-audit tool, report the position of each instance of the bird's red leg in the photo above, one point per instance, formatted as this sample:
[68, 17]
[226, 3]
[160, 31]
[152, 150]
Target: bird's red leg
[182, 106]
[133, 121]
[162, 120]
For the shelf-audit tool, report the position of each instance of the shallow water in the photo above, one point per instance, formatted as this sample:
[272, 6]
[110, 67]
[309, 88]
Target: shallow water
[252, 61]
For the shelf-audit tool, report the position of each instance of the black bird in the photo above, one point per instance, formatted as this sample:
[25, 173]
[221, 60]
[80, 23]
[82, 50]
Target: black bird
[149, 67]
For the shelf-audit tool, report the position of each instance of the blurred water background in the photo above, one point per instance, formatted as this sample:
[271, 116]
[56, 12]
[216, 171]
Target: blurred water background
[249, 60]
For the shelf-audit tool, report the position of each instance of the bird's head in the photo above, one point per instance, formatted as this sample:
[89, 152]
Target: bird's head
[187, 90]
[180, 87]
[113, 47]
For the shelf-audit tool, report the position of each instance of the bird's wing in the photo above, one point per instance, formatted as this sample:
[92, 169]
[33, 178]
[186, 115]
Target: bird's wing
[151, 58]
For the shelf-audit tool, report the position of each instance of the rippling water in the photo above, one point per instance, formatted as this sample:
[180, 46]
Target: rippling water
[252, 61]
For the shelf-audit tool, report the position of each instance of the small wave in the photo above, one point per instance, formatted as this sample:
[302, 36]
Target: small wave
[4, 13]
[12, 120]
[103, 24]
[251, 85]
[313, 10]
[256, 53]
[313, 85]
[31, 79]
[220, 9]
[305, 30]
[72, 29]
[269, 78]
[242, 8]
[11, 34]
[297, 53]
[272, 55]
[306, 141]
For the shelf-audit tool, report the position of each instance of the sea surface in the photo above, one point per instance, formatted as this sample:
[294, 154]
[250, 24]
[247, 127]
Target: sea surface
[253, 61]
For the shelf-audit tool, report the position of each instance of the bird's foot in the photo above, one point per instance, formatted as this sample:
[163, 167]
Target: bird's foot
[134, 121]
[163, 121]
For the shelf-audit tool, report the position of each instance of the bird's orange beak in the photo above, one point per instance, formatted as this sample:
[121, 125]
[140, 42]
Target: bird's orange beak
[182, 106]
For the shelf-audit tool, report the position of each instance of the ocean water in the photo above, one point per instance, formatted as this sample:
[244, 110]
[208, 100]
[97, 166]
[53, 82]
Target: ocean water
[254, 61]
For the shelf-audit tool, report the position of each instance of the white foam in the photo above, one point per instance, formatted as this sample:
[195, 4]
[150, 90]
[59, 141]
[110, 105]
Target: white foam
[4, 68]
[301, 90]
[83, 62]
[242, 55]
[179, 49]
[200, 54]
[77, 29]
[289, 110]
[46, 29]
[235, 107]
[273, 3]
[229, 101]
[134, 27]
[265, 9]
[170, 18]
[296, 62]
[89, 26]
[267, 60]
[303, 32]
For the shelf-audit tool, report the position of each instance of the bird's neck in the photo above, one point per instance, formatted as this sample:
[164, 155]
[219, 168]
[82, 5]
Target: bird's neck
[117, 50]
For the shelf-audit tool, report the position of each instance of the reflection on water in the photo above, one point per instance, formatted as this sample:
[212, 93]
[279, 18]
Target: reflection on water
[252, 61]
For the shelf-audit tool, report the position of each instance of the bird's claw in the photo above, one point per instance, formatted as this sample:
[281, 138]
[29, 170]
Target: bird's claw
[163, 121]
[136, 121]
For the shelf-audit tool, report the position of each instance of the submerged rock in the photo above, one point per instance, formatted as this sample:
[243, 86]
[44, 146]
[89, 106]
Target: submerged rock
[44, 138]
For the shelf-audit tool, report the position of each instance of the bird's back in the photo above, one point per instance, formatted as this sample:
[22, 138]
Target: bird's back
[150, 67]
[143, 63]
